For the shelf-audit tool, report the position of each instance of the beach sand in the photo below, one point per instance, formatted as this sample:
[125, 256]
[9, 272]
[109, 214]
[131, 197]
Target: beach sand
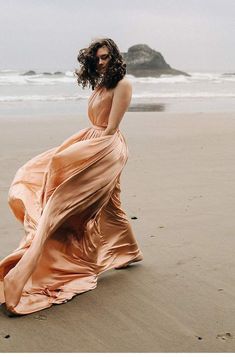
[179, 183]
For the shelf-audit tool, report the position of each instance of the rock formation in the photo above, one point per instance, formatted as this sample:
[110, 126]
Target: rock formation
[29, 73]
[143, 61]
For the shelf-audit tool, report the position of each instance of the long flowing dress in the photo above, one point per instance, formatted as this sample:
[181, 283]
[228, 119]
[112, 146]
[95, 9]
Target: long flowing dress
[68, 200]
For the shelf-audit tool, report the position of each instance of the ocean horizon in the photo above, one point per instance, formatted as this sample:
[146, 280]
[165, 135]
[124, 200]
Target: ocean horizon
[41, 92]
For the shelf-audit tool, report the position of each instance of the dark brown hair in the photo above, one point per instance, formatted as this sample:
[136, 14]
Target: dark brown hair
[88, 74]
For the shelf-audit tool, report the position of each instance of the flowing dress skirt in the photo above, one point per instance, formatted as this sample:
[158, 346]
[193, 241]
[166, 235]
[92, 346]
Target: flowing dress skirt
[68, 200]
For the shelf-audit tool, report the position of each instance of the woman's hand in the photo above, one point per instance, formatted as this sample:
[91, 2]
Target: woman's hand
[109, 132]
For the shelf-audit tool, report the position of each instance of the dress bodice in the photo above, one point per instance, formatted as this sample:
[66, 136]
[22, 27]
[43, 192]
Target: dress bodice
[99, 106]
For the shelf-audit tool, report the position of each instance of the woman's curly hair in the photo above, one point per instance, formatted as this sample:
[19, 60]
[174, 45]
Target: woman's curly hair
[88, 75]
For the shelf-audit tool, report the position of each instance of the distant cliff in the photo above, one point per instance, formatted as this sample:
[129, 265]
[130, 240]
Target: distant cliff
[143, 61]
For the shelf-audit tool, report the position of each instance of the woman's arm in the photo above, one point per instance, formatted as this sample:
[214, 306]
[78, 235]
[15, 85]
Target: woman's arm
[121, 100]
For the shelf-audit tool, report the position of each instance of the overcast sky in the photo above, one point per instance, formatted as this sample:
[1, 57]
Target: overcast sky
[196, 35]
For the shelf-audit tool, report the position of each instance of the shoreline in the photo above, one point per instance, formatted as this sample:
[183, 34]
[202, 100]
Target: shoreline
[130, 114]
[158, 105]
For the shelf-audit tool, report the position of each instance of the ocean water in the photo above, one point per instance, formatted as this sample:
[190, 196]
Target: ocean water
[50, 93]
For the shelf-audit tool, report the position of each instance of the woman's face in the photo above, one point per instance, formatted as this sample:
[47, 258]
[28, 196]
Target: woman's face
[102, 59]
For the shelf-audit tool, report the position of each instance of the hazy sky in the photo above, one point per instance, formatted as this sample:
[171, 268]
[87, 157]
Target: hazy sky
[47, 34]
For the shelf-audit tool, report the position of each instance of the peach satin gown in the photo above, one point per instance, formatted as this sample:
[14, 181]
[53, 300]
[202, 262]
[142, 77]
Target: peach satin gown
[68, 200]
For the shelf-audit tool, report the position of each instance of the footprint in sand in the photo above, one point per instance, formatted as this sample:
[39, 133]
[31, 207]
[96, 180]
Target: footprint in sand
[224, 336]
[40, 317]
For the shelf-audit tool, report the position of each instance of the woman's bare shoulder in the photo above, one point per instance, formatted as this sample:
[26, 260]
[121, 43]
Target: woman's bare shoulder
[124, 84]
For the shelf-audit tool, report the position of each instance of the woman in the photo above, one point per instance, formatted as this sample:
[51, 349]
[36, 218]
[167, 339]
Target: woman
[68, 199]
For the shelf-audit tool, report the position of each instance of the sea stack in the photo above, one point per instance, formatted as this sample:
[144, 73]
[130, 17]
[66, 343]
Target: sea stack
[143, 61]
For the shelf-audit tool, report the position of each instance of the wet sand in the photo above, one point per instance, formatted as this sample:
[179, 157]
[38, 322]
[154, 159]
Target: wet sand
[179, 184]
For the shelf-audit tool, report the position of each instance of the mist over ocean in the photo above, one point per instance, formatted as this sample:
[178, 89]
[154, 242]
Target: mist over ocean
[58, 93]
